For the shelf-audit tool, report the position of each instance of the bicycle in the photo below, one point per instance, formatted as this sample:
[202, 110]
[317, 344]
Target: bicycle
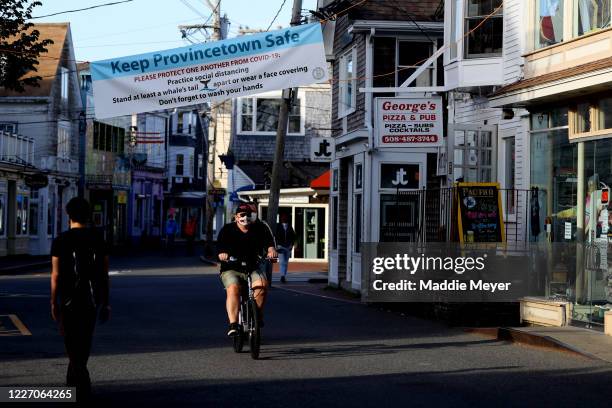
[248, 315]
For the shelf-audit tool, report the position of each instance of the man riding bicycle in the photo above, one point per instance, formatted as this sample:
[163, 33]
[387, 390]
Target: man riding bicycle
[238, 242]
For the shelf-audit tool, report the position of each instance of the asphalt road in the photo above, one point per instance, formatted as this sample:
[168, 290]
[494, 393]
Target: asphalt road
[166, 346]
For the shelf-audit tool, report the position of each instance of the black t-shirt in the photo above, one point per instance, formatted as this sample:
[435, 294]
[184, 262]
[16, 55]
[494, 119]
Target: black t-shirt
[245, 246]
[75, 242]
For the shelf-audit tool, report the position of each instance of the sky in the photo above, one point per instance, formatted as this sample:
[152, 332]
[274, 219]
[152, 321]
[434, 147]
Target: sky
[151, 25]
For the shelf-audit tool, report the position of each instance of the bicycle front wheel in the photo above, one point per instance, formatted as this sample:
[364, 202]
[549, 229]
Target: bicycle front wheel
[254, 330]
[239, 340]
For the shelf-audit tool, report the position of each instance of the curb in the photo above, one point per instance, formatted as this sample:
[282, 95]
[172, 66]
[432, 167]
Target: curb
[208, 261]
[24, 268]
[521, 337]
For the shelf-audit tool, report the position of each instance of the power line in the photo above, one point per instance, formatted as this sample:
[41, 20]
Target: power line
[186, 3]
[83, 9]
[276, 16]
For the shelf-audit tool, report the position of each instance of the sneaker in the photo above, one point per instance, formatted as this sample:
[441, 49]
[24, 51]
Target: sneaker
[283, 279]
[233, 330]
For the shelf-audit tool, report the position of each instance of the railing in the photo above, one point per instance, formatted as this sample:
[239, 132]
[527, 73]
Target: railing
[16, 149]
[430, 215]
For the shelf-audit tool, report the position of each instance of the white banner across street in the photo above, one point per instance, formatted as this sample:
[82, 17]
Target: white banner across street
[209, 72]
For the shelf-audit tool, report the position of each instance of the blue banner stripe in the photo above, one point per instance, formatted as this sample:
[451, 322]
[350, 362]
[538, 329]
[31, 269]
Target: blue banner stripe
[201, 54]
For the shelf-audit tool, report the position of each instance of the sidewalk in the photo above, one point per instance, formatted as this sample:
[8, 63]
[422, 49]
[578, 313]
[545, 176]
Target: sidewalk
[589, 343]
[585, 342]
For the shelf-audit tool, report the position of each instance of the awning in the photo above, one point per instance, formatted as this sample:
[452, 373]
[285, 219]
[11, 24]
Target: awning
[554, 86]
[323, 182]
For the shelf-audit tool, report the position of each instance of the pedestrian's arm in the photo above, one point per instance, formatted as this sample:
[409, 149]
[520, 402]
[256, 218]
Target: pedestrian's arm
[54, 279]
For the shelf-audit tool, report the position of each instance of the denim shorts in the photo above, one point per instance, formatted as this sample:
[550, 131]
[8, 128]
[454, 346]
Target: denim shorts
[231, 277]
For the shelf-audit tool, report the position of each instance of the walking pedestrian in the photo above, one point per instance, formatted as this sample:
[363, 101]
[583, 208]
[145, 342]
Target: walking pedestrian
[285, 239]
[190, 231]
[171, 229]
[79, 291]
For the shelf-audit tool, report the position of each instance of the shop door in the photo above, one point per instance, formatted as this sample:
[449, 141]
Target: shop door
[120, 226]
[311, 233]
[100, 217]
[473, 150]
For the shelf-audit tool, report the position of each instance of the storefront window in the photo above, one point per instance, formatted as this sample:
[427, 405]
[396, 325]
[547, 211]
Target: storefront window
[583, 118]
[335, 222]
[21, 227]
[357, 223]
[549, 22]
[34, 218]
[50, 213]
[554, 171]
[510, 176]
[605, 113]
[2, 214]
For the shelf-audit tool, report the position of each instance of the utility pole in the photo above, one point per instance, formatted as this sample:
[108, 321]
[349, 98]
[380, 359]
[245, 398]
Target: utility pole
[209, 154]
[281, 132]
[216, 25]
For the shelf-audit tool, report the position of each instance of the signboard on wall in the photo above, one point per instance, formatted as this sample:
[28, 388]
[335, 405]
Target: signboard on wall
[322, 149]
[409, 122]
[399, 176]
[480, 213]
[207, 72]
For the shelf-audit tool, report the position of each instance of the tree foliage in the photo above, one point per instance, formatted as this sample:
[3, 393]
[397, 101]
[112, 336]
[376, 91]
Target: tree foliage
[20, 45]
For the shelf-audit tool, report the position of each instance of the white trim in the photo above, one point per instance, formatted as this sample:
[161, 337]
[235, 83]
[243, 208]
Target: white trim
[285, 191]
[342, 110]
[419, 89]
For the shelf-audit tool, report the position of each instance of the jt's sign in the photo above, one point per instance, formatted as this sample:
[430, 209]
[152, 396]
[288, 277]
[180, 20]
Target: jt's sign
[322, 149]
[409, 122]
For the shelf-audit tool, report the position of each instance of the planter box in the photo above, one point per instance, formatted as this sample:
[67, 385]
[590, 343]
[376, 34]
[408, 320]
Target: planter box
[544, 312]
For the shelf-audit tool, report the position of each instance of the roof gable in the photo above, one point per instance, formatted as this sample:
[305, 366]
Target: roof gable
[48, 63]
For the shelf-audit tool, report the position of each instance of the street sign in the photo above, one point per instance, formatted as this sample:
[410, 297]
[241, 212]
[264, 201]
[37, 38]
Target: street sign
[409, 122]
[207, 72]
[322, 149]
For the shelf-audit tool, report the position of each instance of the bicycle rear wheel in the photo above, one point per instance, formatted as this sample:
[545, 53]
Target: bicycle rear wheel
[254, 330]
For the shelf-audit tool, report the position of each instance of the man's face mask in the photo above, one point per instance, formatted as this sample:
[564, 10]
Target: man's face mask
[243, 219]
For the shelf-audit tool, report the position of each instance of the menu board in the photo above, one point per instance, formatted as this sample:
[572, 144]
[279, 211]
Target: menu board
[480, 212]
